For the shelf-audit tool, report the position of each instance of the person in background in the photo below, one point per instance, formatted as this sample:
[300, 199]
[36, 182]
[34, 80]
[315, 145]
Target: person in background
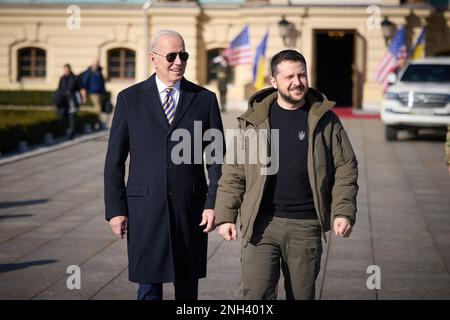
[68, 98]
[222, 80]
[94, 84]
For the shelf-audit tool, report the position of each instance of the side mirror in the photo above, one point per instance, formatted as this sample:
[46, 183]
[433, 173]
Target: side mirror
[392, 77]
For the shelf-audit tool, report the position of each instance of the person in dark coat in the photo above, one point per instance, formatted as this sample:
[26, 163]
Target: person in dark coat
[223, 71]
[166, 208]
[68, 98]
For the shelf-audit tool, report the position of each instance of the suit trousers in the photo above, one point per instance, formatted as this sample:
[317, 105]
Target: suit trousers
[295, 245]
[186, 289]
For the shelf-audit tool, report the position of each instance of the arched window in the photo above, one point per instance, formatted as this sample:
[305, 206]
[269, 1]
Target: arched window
[31, 63]
[214, 59]
[121, 63]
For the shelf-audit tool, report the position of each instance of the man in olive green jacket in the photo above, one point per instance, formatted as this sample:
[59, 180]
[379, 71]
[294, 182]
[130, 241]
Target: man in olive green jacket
[284, 215]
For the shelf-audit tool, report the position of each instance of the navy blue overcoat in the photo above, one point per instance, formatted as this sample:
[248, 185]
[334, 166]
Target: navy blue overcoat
[163, 200]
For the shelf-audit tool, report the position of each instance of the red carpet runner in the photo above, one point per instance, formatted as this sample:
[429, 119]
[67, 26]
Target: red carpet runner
[348, 113]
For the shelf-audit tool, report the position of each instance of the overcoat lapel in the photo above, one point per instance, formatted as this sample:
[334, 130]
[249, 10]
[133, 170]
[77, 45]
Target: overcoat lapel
[151, 97]
[184, 103]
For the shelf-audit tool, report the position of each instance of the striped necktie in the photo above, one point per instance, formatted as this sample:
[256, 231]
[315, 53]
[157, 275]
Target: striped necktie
[168, 105]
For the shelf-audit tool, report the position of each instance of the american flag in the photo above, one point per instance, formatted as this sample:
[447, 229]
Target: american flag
[238, 52]
[396, 51]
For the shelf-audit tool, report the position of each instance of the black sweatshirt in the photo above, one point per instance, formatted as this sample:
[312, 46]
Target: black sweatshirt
[288, 193]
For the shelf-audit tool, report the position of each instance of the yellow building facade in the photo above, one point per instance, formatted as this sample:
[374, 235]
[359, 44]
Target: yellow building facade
[342, 41]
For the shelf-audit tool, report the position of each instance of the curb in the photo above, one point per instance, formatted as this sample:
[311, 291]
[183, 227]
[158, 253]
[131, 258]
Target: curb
[47, 149]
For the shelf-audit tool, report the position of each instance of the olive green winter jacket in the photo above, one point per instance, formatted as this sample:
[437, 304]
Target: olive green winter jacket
[332, 166]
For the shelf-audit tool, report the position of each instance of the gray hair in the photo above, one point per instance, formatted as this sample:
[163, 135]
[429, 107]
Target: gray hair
[159, 34]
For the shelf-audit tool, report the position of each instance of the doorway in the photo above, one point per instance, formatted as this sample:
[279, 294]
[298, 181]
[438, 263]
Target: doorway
[334, 56]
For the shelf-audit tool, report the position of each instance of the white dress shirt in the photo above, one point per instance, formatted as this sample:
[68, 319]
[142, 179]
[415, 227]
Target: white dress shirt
[162, 92]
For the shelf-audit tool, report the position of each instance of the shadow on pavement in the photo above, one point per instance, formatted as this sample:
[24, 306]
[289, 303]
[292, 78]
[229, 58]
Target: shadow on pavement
[17, 266]
[14, 216]
[10, 204]
[435, 135]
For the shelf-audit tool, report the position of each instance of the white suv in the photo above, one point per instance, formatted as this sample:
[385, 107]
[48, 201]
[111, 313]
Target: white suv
[419, 98]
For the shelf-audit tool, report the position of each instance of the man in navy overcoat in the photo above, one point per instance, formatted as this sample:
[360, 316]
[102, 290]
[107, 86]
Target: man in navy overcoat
[165, 205]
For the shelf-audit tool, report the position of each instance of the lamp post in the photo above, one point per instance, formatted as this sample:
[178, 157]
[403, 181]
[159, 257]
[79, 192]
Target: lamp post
[388, 29]
[284, 27]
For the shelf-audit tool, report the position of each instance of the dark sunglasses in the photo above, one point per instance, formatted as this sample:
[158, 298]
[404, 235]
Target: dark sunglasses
[171, 56]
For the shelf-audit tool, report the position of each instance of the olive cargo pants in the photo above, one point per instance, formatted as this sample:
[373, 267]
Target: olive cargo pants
[295, 245]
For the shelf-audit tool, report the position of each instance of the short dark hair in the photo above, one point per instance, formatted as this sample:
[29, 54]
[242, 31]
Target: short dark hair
[285, 55]
[66, 65]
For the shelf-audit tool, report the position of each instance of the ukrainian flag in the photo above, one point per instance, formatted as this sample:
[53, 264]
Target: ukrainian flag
[419, 49]
[260, 63]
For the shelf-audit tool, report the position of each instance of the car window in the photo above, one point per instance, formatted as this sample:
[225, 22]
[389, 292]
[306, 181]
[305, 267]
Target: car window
[427, 73]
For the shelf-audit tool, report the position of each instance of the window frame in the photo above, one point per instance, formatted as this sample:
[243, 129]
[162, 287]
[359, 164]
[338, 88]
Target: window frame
[123, 60]
[33, 67]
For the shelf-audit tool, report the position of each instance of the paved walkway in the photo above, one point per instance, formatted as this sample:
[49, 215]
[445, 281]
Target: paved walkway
[51, 217]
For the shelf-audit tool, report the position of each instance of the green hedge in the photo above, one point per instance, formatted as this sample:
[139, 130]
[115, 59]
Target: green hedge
[31, 126]
[31, 98]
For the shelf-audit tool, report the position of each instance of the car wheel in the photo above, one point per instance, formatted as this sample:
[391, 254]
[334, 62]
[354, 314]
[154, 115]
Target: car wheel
[391, 133]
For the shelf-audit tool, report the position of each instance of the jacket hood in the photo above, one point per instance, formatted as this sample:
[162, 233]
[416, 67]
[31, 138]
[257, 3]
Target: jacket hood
[259, 104]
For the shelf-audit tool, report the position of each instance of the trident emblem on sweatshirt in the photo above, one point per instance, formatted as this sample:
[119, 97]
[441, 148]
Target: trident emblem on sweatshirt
[302, 135]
